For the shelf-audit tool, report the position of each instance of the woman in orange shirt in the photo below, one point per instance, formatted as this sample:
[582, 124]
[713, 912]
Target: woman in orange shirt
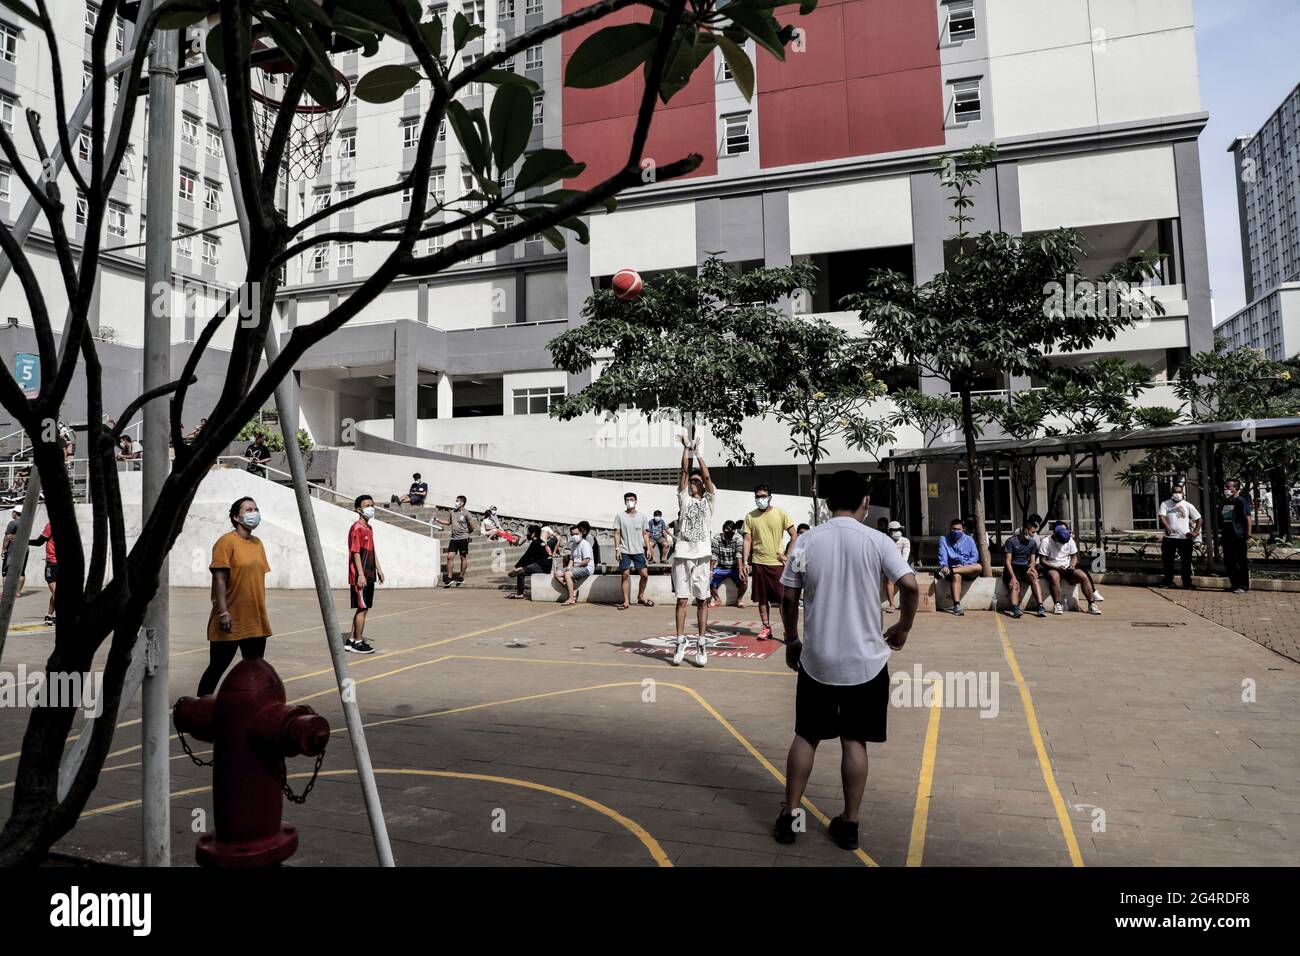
[238, 619]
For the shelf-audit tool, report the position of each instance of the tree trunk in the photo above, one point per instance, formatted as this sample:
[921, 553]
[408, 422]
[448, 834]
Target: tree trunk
[975, 481]
[817, 505]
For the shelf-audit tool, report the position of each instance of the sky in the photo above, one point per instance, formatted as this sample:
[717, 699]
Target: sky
[1249, 62]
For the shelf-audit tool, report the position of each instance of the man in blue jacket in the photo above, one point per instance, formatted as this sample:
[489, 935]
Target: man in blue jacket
[958, 558]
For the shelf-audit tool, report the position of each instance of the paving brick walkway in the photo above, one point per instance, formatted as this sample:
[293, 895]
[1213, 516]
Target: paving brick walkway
[1267, 617]
[512, 733]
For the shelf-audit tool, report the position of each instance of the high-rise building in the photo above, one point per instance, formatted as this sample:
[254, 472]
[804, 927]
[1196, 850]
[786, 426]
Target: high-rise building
[1268, 197]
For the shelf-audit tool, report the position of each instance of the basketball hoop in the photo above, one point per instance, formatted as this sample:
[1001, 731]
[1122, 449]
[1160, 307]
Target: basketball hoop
[313, 122]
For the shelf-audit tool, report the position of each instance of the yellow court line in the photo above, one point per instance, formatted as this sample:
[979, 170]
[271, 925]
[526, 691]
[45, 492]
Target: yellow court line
[330, 670]
[925, 785]
[1062, 815]
[649, 842]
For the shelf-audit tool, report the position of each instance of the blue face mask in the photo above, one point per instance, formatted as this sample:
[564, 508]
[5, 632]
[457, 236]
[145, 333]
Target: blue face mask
[1063, 535]
[252, 519]
[954, 536]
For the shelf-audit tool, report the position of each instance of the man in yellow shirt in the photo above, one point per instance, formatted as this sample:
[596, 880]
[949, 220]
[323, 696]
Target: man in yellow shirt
[764, 558]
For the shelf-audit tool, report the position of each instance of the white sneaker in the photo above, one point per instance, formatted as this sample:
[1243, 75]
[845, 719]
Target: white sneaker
[1058, 609]
[680, 653]
[702, 654]
[1093, 609]
[889, 609]
[1096, 596]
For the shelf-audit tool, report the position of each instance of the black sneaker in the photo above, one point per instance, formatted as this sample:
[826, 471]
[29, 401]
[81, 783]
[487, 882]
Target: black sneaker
[783, 830]
[446, 581]
[359, 647]
[1015, 611]
[49, 620]
[844, 834]
[458, 580]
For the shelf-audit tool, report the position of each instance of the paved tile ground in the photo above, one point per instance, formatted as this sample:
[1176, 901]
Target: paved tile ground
[1271, 618]
[581, 753]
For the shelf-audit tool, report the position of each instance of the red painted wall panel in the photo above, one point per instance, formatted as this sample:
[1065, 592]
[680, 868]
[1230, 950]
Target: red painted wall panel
[868, 82]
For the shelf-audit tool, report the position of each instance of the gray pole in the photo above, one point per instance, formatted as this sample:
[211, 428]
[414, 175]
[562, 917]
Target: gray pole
[286, 404]
[156, 702]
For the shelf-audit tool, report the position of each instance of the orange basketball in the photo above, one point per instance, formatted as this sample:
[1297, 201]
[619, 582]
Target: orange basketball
[627, 284]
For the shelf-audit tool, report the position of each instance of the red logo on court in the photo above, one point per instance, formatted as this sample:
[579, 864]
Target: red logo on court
[733, 639]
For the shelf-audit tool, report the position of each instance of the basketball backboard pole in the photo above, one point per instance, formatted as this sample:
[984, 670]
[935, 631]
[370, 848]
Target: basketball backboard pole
[160, 188]
[287, 406]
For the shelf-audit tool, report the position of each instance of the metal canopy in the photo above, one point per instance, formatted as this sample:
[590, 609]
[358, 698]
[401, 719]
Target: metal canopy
[1216, 432]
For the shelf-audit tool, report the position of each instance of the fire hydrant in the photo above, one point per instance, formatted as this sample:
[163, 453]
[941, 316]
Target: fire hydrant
[252, 730]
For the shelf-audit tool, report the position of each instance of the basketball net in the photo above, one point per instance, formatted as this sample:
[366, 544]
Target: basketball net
[313, 123]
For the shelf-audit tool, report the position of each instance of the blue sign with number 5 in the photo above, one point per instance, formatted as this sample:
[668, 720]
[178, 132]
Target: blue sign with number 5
[27, 372]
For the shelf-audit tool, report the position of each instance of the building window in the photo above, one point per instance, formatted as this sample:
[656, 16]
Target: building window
[473, 10]
[212, 195]
[7, 113]
[533, 57]
[185, 243]
[8, 43]
[466, 61]
[320, 199]
[84, 145]
[211, 250]
[726, 73]
[345, 253]
[408, 192]
[961, 20]
[966, 107]
[438, 184]
[537, 401]
[469, 233]
[442, 131]
[4, 183]
[505, 9]
[320, 258]
[432, 245]
[539, 112]
[346, 191]
[92, 16]
[735, 134]
[410, 133]
[189, 129]
[82, 209]
[117, 220]
[214, 142]
[121, 37]
[348, 144]
[507, 181]
[185, 187]
[533, 6]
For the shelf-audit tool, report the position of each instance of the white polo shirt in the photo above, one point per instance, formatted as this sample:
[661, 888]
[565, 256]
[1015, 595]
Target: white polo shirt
[839, 565]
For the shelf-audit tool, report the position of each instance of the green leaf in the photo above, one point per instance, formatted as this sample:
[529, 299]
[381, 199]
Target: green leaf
[462, 32]
[216, 50]
[546, 166]
[431, 32]
[610, 54]
[688, 51]
[742, 70]
[512, 123]
[468, 135]
[758, 25]
[368, 40]
[386, 83]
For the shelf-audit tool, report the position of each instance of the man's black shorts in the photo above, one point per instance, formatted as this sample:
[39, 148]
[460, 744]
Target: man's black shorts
[856, 712]
[458, 546]
[1021, 571]
[363, 599]
[51, 572]
[5, 570]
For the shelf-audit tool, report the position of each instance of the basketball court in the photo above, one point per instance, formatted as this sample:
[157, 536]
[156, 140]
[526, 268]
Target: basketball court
[516, 733]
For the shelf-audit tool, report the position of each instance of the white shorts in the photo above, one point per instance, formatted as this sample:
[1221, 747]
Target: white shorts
[691, 578]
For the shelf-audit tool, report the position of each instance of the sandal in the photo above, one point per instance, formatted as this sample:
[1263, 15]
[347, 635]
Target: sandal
[645, 602]
[621, 607]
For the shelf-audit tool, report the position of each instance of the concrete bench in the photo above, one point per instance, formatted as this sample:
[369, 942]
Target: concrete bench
[608, 589]
[991, 594]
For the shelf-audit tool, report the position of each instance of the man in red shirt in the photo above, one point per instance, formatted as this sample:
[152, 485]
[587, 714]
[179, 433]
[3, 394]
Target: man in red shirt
[51, 566]
[363, 570]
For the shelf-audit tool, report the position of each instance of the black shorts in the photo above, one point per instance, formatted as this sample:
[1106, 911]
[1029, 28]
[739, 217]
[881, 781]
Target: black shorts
[363, 599]
[1021, 572]
[458, 546]
[51, 572]
[856, 712]
[4, 572]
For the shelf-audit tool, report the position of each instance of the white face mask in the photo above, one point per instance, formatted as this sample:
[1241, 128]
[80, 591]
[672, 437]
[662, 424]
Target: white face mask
[762, 503]
[368, 513]
[1177, 496]
[575, 538]
[252, 519]
[630, 505]
[895, 535]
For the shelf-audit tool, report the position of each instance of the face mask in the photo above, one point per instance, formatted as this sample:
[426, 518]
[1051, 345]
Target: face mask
[895, 535]
[1228, 493]
[762, 503]
[955, 536]
[630, 505]
[368, 513]
[1063, 535]
[252, 519]
[459, 506]
[575, 538]
[1177, 496]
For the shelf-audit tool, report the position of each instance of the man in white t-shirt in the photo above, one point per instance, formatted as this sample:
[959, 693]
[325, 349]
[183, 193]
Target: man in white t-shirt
[1182, 524]
[843, 686]
[693, 553]
[1058, 554]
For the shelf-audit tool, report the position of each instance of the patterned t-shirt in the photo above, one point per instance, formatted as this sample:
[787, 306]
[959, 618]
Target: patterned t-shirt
[694, 517]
